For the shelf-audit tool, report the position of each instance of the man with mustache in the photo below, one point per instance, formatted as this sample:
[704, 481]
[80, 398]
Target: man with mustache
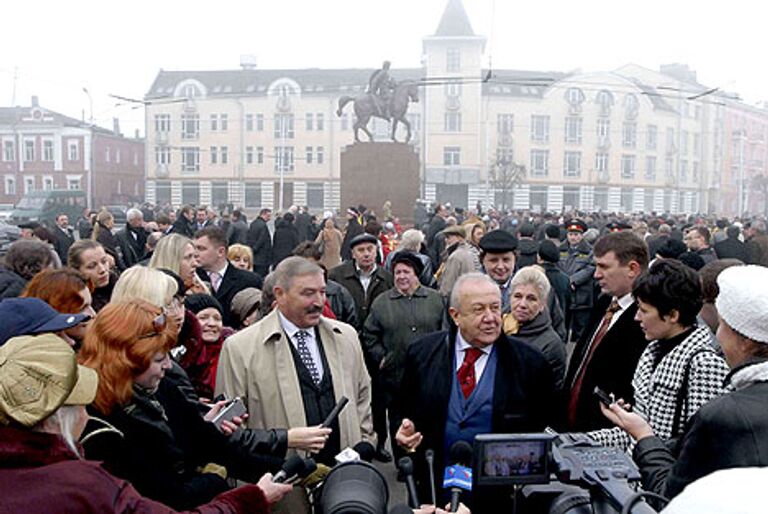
[293, 366]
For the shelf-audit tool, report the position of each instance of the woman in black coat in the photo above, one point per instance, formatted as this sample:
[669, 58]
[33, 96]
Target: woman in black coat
[285, 239]
[732, 430]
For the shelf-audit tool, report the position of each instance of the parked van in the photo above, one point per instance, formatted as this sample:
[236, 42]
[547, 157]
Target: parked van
[44, 206]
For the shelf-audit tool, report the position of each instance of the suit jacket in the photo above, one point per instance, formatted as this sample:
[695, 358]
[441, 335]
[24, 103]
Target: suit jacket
[612, 365]
[523, 391]
[234, 281]
[346, 275]
[63, 240]
[256, 363]
[731, 249]
[260, 242]
[132, 249]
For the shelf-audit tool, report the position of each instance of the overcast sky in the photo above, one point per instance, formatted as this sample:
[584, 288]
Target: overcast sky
[56, 48]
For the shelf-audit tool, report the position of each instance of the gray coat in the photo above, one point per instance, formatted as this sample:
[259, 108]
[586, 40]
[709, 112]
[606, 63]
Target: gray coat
[539, 333]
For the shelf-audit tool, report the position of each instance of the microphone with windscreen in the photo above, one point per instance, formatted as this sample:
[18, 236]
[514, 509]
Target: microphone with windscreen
[405, 466]
[294, 468]
[458, 476]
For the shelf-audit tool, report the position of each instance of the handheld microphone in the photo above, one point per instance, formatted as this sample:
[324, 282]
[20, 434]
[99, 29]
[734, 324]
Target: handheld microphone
[430, 456]
[405, 465]
[335, 412]
[458, 477]
[291, 469]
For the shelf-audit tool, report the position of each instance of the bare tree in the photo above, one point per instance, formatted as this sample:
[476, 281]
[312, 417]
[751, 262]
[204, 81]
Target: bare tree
[505, 175]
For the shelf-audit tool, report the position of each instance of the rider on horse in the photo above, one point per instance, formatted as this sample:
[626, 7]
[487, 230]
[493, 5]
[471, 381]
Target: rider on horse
[380, 86]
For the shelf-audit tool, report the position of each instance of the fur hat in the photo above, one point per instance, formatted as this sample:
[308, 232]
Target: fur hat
[743, 300]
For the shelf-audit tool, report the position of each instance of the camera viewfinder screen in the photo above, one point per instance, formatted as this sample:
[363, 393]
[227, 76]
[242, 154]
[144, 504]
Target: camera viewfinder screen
[518, 459]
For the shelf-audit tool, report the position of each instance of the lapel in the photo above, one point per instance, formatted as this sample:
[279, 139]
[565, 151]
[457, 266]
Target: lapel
[227, 281]
[289, 391]
[328, 335]
[441, 377]
[502, 379]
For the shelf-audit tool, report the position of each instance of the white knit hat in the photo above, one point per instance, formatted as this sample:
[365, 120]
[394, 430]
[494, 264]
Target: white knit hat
[743, 300]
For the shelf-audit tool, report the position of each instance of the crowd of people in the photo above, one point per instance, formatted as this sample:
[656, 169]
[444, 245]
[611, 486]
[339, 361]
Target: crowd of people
[121, 345]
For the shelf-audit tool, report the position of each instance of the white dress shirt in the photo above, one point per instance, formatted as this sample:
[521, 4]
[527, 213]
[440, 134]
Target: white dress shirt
[460, 348]
[624, 303]
[290, 329]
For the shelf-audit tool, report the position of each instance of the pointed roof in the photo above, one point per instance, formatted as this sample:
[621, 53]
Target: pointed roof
[455, 21]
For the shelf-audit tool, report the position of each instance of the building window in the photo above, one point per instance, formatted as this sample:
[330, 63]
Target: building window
[451, 155]
[9, 151]
[253, 194]
[214, 155]
[73, 184]
[249, 155]
[605, 100]
[29, 150]
[135, 158]
[29, 184]
[540, 129]
[190, 126]
[628, 166]
[284, 126]
[453, 60]
[670, 139]
[684, 142]
[696, 144]
[106, 154]
[310, 121]
[283, 158]
[539, 163]
[315, 195]
[224, 118]
[117, 155]
[224, 154]
[629, 135]
[601, 162]
[162, 123]
[249, 122]
[539, 198]
[259, 122]
[320, 119]
[214, 122]
[651, 137]
[570, 197]
[683, 171]
[452, 88]
[162, 155]
[505, 123]
[163, 191]
[73, 150]
[572, 164]
[573, 129]
[669, 168]
[452, 122]
[626, 199]
[190, 159]
[309, 151]
[219, 193]
[259, 155]
[320, 153]
[603, 131]
[650, 168]
[190, 192]
[695, 172]
[48, 150]
[575, 96]
[504, 155]
[47, 183]
[10, 186]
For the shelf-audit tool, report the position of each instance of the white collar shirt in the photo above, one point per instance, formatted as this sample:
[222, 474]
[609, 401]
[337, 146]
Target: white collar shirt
[311, 339]
[462, 346]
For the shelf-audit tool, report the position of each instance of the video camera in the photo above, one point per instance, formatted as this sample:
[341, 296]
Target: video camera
[590, 478]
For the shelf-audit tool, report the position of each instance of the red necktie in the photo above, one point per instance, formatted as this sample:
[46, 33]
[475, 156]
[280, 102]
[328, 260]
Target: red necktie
[573, 404]
[466, 374]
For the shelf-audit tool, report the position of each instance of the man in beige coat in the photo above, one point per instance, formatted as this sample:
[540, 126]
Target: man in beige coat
[459, 260]
[289, 379]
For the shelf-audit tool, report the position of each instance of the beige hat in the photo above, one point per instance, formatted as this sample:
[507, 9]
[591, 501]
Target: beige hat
[39, 374]
[455, 230]
[244, 303]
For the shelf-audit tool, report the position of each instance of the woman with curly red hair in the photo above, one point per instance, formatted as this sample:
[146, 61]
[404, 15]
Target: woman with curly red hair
[163, 446]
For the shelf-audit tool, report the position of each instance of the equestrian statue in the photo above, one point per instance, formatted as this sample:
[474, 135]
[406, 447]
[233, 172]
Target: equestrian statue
[386, 99]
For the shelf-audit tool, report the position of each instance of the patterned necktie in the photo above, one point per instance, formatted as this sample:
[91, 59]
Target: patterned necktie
[306, 356]
[466, 373]
[573, 404]
[215, 280]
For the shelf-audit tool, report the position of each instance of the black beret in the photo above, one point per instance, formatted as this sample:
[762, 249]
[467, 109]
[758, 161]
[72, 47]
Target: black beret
[409, 258]
[363, 238]
[576, 226]
[30, 225]
[671, 249]
[197, 302]
[549, 252]
[498, 241]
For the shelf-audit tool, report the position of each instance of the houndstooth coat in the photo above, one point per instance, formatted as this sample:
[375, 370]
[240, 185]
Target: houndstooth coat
[657, 389]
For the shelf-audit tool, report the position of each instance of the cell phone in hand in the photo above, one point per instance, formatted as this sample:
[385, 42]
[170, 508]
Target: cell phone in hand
[236, 407]
[605, 398]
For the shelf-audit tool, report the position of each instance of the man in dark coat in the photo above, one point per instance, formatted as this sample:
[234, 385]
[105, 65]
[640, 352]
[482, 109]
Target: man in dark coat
[697, 240]
[63, 237]
[354, 229]
[132, 239]
[470, 380]
[225, 279]
[237, 233]
[436, 225]
[527, 247]
[731, 247]
[576, 262]
[548, 257]
[607, 353]
[285, 239]
[260, 241]
[365, 281]
[185, 223]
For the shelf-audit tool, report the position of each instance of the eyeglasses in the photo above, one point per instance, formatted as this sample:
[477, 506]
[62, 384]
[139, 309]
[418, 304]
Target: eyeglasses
[158, 325]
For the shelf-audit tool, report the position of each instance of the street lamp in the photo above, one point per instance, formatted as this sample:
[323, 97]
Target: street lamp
[89, 175]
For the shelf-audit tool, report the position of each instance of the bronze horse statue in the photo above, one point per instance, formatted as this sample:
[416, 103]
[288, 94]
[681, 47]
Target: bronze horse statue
[365, 107]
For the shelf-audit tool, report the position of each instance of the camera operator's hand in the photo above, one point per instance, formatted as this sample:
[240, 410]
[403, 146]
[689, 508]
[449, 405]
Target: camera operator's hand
[635, 425]
[407, 437]
[273, 490]
[312, 439]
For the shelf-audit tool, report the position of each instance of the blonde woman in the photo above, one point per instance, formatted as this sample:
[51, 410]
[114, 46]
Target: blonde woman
[241, 256]
[177, 253]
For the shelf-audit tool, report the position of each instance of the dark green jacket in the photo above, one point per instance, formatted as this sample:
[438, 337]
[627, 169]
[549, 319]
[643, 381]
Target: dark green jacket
[346, 275]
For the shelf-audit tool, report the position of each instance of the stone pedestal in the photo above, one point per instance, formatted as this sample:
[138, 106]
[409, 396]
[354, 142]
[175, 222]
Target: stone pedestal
[372, 173]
